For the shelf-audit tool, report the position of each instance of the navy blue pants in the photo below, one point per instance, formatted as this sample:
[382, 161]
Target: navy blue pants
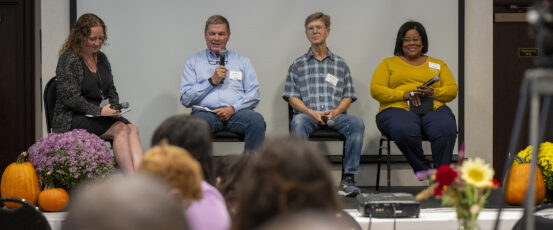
[245, 121]
[408, 129]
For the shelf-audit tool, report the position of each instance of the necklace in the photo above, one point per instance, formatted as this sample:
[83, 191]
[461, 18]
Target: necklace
[91, 64]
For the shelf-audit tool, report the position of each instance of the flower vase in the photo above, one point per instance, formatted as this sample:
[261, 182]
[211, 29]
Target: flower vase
[467, 219]
[468, 223]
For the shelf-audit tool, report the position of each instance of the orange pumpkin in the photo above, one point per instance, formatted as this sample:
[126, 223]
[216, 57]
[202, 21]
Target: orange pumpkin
[52, 199]
[19, 180]
[518, 182]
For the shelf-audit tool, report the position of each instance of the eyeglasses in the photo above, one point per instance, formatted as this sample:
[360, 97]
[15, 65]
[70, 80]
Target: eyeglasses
[413, 39]
[315, 28]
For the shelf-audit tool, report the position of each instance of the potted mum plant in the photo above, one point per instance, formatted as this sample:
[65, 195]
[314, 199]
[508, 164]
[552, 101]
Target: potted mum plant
[465, 187]
[72, 157]
[545, 163]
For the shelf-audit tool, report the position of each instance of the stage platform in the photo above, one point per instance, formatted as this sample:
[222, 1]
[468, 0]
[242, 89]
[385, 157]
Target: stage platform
[432, 215]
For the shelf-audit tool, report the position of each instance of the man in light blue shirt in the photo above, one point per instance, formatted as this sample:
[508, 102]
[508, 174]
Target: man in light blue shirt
[223, 94]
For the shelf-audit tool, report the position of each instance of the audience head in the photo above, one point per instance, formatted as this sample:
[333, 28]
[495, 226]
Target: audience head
[137, 203]
[288, 175]
[191, 133]
[175, 166]
[230, 170]
[312, 220]
[80, 31]
[398, 50]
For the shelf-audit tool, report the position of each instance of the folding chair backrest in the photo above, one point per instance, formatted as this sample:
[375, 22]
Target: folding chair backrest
[50, 98]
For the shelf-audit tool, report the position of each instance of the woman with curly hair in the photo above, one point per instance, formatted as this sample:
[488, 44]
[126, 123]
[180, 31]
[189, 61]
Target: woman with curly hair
[86, 96]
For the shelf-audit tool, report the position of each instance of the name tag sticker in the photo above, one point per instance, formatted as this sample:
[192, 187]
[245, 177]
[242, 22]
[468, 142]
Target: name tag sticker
[331, 79]
[235, 75]
[433, 65]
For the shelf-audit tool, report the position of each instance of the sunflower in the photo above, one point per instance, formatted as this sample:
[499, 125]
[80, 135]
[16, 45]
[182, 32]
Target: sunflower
[477, 173]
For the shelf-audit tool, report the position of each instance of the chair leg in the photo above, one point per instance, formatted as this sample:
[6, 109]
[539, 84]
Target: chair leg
[378, 165]
[343, 159]
[388, 162]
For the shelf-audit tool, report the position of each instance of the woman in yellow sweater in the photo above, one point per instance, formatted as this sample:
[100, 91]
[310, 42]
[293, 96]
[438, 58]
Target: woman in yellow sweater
[400, 79]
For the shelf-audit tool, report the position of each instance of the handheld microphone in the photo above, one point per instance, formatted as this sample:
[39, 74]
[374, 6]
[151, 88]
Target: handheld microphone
[124, 105]
[330, 123]
[222, 54]
[327, 121]
[435, 79]
[120, 106]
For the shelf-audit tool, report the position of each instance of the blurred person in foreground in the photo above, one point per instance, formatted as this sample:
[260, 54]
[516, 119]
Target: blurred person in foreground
[288, 175]
[193, 134]
[174, 165]
[117, 203]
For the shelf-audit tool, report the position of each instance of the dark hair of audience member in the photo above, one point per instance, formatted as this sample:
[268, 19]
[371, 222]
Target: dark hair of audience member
[312, 220]
[191, 133]
[136, 202]
[288, 175]
[229, 171]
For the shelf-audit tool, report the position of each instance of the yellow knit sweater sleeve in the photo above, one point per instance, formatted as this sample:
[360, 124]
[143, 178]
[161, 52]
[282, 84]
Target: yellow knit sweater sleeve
[380, 84]
[446, 90]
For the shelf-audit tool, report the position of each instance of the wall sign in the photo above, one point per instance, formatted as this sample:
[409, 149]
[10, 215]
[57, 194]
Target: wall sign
[528, 52]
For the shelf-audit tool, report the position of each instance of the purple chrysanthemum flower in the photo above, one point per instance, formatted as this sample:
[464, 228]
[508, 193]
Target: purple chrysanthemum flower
[72, 157]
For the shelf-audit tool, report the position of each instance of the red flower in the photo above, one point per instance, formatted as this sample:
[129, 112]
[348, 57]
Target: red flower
[438, 191]
[445, 175]
[495, 183]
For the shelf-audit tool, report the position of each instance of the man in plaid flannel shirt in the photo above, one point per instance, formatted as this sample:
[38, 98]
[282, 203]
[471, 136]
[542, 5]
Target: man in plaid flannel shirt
[319, 88]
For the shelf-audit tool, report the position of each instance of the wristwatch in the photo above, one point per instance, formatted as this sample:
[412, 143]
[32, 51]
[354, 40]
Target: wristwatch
[211, 82]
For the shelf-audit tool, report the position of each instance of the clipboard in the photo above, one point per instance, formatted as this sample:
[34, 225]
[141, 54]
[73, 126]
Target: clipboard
[123, 111]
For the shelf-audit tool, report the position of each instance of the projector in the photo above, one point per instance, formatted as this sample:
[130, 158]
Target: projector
[388, 205]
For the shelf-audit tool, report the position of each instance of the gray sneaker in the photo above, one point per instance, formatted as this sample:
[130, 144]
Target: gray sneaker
[348, 186]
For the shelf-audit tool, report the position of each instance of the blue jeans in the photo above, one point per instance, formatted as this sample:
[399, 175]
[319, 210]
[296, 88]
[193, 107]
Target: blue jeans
[246, 121]
[407, 130]
[351, 127]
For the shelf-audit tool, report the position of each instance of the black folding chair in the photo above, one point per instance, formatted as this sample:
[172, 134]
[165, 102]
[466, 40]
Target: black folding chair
[323, 134]
[227, 136]
[50, 98]
[27, 216]
[381, 147]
